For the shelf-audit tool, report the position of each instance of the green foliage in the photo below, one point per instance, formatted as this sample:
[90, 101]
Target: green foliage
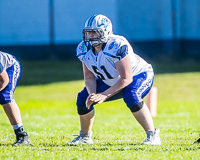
[49, 115]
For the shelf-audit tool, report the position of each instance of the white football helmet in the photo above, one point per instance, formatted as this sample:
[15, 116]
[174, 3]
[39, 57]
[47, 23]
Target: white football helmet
[101, 25]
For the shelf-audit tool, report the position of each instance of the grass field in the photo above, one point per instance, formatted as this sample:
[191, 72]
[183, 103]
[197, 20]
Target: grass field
[47, 95]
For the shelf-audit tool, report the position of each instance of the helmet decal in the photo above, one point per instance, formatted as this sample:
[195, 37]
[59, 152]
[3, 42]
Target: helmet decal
[104, 22]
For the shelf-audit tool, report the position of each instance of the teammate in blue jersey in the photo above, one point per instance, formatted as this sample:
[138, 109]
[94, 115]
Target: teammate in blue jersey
[10, 72]
[112, 71]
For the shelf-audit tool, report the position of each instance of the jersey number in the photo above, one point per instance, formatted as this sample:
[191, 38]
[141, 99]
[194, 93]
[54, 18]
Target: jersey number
[99, 75]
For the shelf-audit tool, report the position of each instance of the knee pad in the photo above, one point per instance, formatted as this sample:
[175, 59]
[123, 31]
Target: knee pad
[137, 107]
[82, 111]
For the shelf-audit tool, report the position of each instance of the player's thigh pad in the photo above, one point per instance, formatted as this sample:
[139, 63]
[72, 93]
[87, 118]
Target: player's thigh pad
[138, 89]
[7, 94]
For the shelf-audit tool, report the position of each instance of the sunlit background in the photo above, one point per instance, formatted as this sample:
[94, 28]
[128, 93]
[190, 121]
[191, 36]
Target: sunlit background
[164, 30]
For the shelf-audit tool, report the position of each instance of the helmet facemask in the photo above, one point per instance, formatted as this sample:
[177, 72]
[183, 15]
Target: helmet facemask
[99, 39]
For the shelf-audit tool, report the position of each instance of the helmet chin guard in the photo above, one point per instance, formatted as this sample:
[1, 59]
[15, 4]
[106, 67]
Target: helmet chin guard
[101, 25]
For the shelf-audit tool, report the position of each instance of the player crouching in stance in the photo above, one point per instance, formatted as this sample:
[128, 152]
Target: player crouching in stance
[9, 75]
[112, 71]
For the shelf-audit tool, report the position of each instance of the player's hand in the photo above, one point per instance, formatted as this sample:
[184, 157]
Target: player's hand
[88, 102]
[98, 98]
[95, 98]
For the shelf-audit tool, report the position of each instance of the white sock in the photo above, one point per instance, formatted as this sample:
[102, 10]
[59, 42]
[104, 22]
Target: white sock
[17, 126]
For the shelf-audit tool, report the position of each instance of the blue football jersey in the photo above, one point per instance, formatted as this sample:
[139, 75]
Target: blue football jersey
[103, 64]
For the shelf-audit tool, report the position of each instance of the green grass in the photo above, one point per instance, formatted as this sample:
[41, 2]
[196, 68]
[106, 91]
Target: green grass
[47, 98]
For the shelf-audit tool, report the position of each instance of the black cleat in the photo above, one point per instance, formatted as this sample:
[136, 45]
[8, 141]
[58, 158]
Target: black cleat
[22, 140]
[22, 137]
[197, 141]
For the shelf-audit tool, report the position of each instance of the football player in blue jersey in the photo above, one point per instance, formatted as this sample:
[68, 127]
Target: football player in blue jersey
[10, 72]
[111, 71]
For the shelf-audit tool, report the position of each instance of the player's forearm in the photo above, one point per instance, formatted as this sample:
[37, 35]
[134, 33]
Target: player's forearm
[118, 86]
[90, 85]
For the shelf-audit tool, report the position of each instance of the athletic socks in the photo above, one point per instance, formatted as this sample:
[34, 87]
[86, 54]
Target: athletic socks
[17, 126]
[20, 131]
